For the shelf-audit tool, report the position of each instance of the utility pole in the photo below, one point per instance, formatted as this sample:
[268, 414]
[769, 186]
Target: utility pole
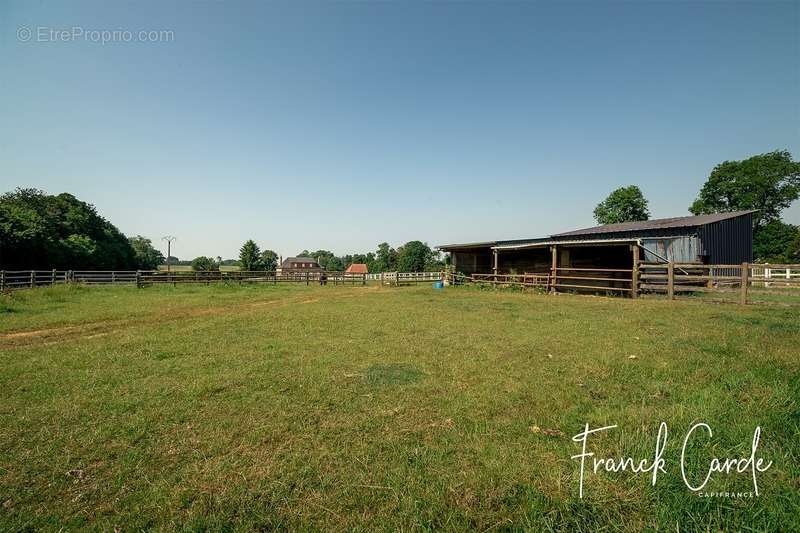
[169, 239]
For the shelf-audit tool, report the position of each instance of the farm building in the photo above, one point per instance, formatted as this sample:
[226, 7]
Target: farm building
[721, 238]
[299, 264]
[357, 268]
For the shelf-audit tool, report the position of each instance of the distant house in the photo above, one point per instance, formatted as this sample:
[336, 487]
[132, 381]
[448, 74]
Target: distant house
[299, 264]
[357, 268]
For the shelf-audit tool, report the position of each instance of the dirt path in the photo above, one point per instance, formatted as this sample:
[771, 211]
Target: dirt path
[45, 336]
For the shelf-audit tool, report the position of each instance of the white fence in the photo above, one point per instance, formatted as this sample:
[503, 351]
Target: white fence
[775, 275]
[404, 277]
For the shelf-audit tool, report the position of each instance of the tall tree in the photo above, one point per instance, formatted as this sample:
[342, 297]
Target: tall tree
[147, 257]
[776, 242]
[766, 182]
[334, 264]
[414, 256]
[204, 264]
[385, 258]
[44, 231]
[626, 204]
[269, 260]
[326, 259]
[250, 256]
[369, 259]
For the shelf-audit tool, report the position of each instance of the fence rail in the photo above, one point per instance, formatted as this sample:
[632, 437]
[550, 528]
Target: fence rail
[18, 279]
[670, 279]
[404, 277]
[541, 280]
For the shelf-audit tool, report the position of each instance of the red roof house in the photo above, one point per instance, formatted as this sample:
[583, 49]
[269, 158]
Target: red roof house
[357, 268]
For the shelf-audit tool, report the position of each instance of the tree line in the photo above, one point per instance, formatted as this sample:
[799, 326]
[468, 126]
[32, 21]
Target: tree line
[41, 231]
[413, 256]
[767, 182]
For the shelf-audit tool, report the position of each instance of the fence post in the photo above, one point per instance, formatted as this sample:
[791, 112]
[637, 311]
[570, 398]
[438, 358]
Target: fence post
[138, 279]
[113, 277]
[33, 278]
[635, 272]
[53, 277]
[554, 270]
[2, 280]
[363, 279]
[306, 278]
[671, 280]
[744, 283]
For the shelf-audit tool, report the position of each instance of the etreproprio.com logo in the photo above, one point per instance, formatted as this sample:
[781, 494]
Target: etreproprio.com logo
[47, 34]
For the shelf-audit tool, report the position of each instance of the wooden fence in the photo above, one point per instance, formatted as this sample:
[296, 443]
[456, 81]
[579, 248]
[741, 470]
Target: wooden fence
[513, 280]
[673, 280]
[18, 279]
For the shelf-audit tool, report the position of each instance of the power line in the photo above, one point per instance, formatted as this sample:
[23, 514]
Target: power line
[169, 239]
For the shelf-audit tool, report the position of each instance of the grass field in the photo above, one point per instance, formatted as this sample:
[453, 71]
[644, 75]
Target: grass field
[261, 407]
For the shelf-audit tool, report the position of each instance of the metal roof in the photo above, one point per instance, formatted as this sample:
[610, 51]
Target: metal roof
[568, 243]
[659, 223]
[466, 245]
[489, 244]
[645, 225]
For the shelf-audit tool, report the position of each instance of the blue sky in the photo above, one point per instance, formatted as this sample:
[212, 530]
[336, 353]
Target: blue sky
[342, 125]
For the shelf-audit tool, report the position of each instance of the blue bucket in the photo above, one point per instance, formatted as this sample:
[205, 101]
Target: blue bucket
[438, 285]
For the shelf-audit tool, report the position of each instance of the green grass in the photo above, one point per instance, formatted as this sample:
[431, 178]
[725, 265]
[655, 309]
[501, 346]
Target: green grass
[294, 407]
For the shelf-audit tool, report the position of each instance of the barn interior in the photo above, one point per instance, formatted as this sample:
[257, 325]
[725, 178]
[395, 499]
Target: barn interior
[600, 263]
[538, 257]
[469, 259]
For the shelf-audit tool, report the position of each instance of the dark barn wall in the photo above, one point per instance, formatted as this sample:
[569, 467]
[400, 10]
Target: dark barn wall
[606, 256]
[728, 242]
[527, 261]
[473, 261]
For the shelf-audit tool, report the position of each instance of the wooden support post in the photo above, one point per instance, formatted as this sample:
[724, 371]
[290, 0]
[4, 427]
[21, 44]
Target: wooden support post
[2, 280]
[671, 280]
[554, 269]
[363, 279]
[635, 272]
[306, 277]
[53, 277]
[33, 278]
[494, 264]
[745, 282]
[138, 279]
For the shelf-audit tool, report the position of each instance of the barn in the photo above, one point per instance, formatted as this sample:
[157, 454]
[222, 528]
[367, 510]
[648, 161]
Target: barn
[720, 238]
